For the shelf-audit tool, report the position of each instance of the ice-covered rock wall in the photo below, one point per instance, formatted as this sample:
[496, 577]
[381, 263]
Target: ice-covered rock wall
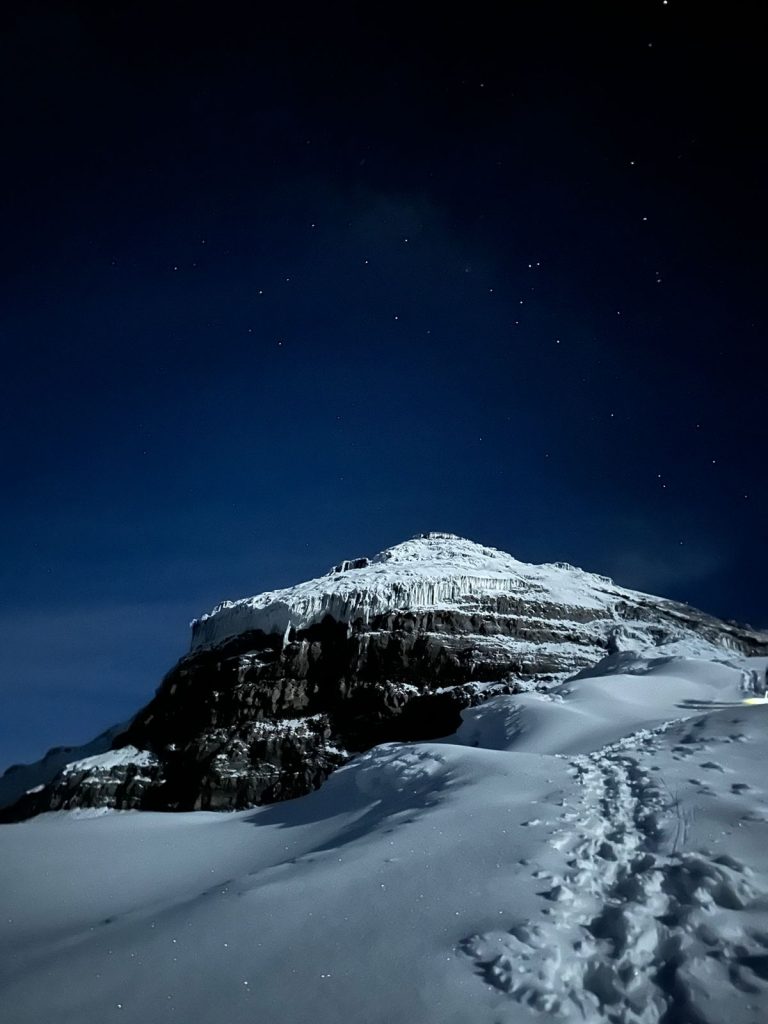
[430, 571]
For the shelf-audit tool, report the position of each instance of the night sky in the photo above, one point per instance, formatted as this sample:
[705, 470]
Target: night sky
[282, 289]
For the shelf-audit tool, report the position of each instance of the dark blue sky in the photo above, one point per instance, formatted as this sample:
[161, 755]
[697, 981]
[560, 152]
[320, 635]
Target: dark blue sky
[278, 291]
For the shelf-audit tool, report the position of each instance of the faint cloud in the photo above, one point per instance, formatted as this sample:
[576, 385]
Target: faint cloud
[657, 571]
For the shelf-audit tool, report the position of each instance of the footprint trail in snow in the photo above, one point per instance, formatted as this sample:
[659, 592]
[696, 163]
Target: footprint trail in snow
[638, 930]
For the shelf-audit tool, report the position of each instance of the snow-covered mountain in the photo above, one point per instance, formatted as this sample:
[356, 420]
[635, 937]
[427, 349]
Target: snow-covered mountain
[280, 689]
[593, 854]
[440, 571]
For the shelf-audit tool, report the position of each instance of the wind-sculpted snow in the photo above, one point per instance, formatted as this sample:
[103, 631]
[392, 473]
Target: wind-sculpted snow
[600, 857]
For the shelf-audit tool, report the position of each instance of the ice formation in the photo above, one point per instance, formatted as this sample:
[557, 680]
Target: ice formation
[431, 570]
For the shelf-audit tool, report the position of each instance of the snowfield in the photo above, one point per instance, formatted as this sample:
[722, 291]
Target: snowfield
[599, 853]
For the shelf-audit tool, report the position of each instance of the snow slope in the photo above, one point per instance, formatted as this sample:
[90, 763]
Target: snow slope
[21, 778]
[598, 854]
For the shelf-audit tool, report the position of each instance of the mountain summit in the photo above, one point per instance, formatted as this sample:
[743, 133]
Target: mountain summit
[280, 689]
[430, 570]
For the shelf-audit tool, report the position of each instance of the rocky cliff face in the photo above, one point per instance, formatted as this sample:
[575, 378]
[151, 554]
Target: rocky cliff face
[280, 689]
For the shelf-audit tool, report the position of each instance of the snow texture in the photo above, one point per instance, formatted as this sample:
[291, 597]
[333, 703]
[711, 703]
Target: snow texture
[597, 854]
[112, 759]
